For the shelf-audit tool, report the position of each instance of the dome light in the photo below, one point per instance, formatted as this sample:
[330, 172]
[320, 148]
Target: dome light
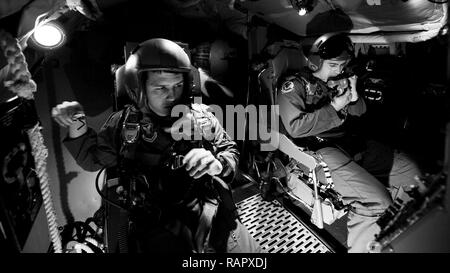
[303, 7]
[49, 36]
[302, 11]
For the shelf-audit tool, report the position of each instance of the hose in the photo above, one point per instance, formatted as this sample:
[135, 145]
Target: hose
[102, 195]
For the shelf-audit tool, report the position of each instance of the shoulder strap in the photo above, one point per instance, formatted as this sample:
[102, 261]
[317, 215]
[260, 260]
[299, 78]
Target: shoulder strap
[118, 136]
[128, 129]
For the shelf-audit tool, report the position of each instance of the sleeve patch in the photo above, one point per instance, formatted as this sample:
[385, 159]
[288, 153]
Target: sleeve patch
[287, 87]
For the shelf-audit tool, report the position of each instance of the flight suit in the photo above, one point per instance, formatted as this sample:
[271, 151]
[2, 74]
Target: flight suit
[180, 203]
[359, 167]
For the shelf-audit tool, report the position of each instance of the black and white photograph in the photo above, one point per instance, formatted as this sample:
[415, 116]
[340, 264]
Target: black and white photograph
[252, 130]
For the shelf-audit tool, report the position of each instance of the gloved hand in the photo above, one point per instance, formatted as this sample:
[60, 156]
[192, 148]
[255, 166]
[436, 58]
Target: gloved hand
[66, 113]
[340, 101]
[70, 115]
[200, 161]
[353, 79]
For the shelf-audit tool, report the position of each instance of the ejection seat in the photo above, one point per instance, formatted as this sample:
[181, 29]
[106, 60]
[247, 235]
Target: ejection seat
[308, 179]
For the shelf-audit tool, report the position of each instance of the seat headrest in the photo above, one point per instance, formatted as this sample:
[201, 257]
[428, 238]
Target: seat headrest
[286, 59]
[121, 95]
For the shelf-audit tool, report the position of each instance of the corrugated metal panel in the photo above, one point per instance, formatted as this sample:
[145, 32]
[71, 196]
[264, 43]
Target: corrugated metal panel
[276, 229]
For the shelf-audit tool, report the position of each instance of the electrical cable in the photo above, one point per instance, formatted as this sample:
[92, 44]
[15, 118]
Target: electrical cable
[97, 187]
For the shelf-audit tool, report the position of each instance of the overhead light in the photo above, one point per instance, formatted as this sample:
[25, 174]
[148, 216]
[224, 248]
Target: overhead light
[302, 11]
[49, 36]
[302, 6]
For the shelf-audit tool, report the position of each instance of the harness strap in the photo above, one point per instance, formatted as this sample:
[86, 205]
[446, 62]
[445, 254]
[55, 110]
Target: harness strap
[326, 170]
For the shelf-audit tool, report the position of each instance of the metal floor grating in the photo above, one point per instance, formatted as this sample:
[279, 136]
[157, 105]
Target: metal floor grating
[276, 229]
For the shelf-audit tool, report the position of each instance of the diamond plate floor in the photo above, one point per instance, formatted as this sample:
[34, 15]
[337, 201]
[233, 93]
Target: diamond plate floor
[276, 229]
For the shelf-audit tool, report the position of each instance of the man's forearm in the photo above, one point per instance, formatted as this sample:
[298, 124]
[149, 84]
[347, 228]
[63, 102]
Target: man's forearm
[309, 124]
[79, 126]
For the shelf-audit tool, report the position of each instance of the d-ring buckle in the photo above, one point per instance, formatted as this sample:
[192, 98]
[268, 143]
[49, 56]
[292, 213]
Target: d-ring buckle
[177, 162]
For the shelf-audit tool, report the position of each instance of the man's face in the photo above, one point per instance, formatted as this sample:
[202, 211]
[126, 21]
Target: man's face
[164, 90]
[332, 68]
